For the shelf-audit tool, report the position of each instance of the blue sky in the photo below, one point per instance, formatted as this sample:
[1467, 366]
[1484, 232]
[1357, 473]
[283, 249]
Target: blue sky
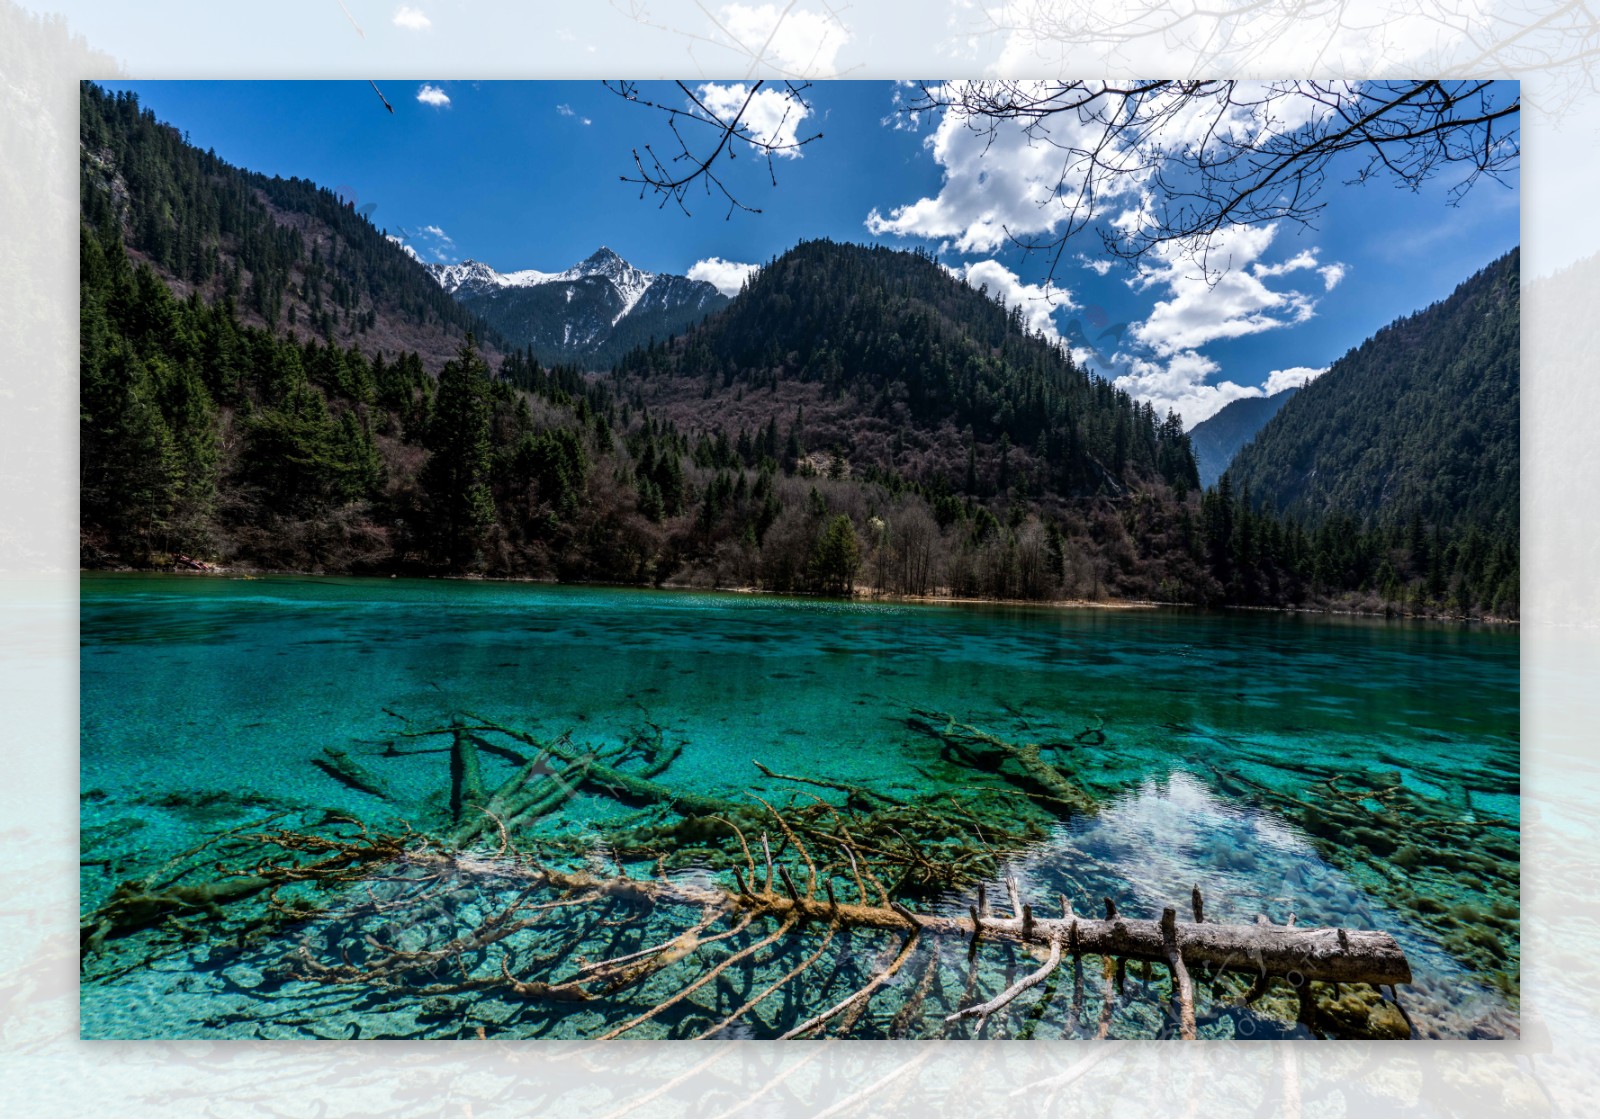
[527, 175]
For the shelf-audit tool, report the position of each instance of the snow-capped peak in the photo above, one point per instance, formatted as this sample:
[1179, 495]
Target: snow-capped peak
[475, 276]
[527, 277]
[629, 282]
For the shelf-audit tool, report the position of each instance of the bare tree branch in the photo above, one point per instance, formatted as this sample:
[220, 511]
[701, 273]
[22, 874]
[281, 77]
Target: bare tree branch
[1154, 166]
[704, 137]
[1164, 166]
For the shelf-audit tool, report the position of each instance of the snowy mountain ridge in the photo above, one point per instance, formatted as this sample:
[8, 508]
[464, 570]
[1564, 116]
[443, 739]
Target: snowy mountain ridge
[631, 283]
[588, 313]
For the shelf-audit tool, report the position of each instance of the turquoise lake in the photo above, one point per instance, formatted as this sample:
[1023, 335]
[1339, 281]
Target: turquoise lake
[1351, 772]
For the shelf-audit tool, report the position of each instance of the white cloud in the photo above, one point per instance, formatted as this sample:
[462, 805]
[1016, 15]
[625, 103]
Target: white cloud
[433, 95]
[412, 19]
[1198, 309]
[998, 182]
[900, 118]
[1180, 384]
[1203, 308]
[771, 117]
[1280, 379]
[799, 41]
[1303, 259]
[1020, 177]
[568, 111]
[1037, 176]
[1331, 275]
[1097, 265]
[725, 276]
[1039, 303]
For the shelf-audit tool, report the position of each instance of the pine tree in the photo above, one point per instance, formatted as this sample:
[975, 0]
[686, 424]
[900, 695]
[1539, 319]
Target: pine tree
[837, 557]
[457, 473]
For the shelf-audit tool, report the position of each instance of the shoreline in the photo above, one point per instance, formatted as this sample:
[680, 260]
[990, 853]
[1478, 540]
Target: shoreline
[1109, 604]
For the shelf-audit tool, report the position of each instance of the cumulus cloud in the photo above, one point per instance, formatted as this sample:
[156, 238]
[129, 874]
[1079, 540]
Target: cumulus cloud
[1182, 382]
[1248, 296]
[996, 183]
[1331, 275]
[1039, 303]
[1003, 178]
[796, 39]
[1202, 308]
[568, 111]
[771, 117]
[1032, 176]
[1179, 383]
[725, 276]
[433, 95]
[1303, 259]
[1100, 266]
[412, 19]
[1294, 377]
[900, 117]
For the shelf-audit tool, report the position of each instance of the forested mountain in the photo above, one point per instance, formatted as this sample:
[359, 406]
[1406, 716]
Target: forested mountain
[589, 315]
[289, 254]
[1418, 422]
[1217, 439]
[885, 360]
[856, 418]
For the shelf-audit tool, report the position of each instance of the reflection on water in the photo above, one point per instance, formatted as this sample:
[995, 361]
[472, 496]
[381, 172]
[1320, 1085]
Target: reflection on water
[1346, 771]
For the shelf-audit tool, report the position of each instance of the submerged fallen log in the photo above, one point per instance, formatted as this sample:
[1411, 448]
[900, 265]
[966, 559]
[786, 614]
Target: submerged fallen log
[626, 787]
[1042, 779]
[821, 874]
[1297, 955]
[339, 766]
[134, 906]
[1330, 955]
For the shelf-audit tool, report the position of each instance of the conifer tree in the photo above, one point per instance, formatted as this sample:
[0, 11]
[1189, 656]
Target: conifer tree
[457, 474]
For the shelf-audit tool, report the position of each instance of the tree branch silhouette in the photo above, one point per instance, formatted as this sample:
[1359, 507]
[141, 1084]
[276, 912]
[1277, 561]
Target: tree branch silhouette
[1155, 167]
[705, 137]
[1200, 157]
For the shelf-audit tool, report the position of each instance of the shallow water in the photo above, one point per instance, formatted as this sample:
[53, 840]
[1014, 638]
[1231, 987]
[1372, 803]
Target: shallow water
[204, 701]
